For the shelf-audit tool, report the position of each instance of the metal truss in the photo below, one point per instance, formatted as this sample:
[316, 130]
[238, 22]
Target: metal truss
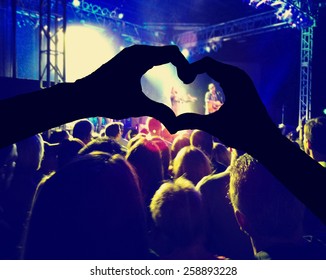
[129, 33]
[305, 74]
[305, 20]
[212, 37]
[196, 41]
[52, 57]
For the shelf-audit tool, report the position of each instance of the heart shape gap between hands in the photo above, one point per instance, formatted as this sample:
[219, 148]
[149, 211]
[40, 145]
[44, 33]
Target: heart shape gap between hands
[203, 96]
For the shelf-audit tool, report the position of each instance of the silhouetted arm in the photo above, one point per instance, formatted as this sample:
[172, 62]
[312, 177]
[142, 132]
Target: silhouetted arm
[28, 114]
[114, 91]
[243, 123]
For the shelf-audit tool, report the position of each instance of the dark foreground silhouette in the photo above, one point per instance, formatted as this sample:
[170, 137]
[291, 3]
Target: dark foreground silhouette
[242, 123]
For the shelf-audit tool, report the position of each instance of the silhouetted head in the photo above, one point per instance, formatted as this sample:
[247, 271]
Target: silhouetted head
[264, 207]
[203, 141]
[90, 209]
[8, 157]
[177, 211]
[315, 138]
[83, 130]
[191, 163]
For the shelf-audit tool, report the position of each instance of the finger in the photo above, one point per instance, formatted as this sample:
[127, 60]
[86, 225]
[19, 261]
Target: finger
[150, 56]
[235, 82]
[157, 110]
[217, 70]
[191, 121]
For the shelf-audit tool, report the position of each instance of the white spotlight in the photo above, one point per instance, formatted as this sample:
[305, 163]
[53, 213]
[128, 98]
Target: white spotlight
[76, 3]
[185, 53]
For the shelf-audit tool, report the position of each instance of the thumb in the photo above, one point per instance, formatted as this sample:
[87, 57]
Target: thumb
[191, 121]
[159, 111]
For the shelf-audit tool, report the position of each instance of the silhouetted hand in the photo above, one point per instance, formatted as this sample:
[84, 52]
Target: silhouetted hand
[243, 123]
[114, 90]
[243, 120]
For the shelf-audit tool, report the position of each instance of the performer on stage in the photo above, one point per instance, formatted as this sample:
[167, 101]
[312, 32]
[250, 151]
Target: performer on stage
[214, 99]
[178, 98]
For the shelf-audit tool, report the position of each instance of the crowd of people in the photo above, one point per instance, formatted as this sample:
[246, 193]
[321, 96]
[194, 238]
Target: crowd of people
[150, 195]
[212, 194]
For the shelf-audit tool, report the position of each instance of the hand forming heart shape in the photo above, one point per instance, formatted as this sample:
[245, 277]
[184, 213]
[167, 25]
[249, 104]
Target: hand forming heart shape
[114, 90]
[236, 124]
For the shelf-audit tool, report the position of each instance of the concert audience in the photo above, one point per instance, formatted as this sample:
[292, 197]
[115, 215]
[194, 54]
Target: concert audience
[102, 144]
[145, 157]
[314, 144]
[203, 141]
[178, 213]
[192, 164]
[224, 236]
[221, 157]
[180, 141]
[89, 209]
[83, 130]
[114, 130]
[8, 157]
[97, 205]
[270, 215]
[67, 150]
[17, 199]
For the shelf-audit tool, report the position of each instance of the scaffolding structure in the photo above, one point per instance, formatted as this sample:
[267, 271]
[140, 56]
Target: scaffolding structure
[211, 39]
[213, 36]
[52, 17]
[52, 55]
[305, 74]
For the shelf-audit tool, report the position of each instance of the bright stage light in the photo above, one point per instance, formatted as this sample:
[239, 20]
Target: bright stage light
[185, 53]
[76, 3]
[87, 48]
[288, 11]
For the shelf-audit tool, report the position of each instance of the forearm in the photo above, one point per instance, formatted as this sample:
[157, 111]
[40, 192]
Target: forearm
[31, 113]
[303, 176]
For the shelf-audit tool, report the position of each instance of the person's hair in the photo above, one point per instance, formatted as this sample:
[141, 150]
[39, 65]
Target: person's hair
[67, 150]
[146, 158]
[8, 157]
[90, 209]
[165, 154]
[83, 129]
[210, 85]
[269, 207]
[203, 141]
[178, 143]
[177, 212]
[113, 129]
[192, 163]
[57, 136]
[221, 154]
[102, 144]
[30, 152]
[315, 132]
